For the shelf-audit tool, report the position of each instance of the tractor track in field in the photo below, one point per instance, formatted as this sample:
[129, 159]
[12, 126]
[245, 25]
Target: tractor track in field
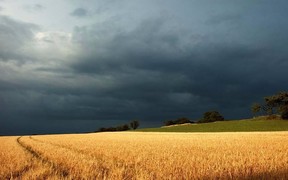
[82, 152]
[99, 157]
[18, 174]
[57, 145]
[61, 171]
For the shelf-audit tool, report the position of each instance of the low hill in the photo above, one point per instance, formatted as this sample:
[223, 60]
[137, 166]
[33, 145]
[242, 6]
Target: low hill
[259, 124]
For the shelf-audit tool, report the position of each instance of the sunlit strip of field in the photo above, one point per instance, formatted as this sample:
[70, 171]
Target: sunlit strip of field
[140, 155]
[248, 125]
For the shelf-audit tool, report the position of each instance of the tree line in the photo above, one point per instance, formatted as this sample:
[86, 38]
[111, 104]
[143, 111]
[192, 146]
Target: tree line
[133, 125]
[273, 105]
[210, 116]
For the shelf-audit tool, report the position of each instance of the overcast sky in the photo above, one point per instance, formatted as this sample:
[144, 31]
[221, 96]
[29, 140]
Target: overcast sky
[77, 65]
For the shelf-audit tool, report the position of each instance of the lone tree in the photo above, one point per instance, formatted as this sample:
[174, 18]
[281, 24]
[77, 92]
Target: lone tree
[255, 108]
[211, 116]
[279, 102]
[268, 109]
[134, 124]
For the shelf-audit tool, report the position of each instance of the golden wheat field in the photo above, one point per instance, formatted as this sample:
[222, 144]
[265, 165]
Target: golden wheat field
[139, 155]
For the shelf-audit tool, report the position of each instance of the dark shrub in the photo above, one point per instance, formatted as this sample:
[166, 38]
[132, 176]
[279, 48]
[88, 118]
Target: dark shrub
[273, 116]
[182, 120]
[211, 116]
[102, 129]
[124, 127]
[169, 123]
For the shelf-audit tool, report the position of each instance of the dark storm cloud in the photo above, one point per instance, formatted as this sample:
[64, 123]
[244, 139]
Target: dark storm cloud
[79, 12]
[146, 45]
[14, 35]
[154, 65]
[154, 73]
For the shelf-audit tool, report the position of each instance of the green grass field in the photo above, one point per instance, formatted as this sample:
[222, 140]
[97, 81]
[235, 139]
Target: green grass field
[227, 126]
